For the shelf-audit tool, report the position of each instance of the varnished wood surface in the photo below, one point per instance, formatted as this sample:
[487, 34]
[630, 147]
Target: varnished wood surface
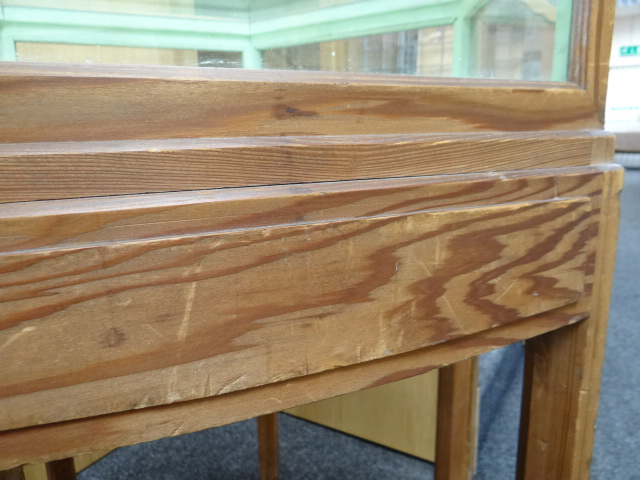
[81, 222]
[73, 103]
[591, 37]
[59, 440]
[563, 370]
[268, 451]
[45, 171]
[38, 471]
[179, 315]
[62, 469]
[456, 444]
[106, 104]
[12, 474]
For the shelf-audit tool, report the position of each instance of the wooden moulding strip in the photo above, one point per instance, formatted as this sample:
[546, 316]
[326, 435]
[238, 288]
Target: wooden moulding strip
[415, 251]
[65, 439]
[74, 103]
[85, 221]
[46, 171]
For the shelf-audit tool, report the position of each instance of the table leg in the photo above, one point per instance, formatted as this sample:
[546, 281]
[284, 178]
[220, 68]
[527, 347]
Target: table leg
[268, 446]
[559, 406]
[12, 474]
[456, 441]
[562, 372]
[61, 469]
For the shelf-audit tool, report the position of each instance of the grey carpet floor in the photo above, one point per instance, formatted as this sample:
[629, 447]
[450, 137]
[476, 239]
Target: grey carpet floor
[310, 451]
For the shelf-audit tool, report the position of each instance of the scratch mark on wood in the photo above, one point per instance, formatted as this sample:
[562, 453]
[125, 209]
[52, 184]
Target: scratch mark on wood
[154, 330]
[424, 265]
[177, 431]
[453, 313]
[15, 337]
[142, 403]
[172, 394]
[227, 386]
[505, 292]
[191, 294]
[207, 386]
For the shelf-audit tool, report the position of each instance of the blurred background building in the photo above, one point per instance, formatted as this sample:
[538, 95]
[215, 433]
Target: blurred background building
[623, 100]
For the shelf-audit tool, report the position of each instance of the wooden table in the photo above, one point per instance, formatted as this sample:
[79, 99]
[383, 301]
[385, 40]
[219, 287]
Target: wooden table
[183, 249]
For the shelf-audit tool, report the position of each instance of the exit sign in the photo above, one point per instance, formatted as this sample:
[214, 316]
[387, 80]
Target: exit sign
[630, 50]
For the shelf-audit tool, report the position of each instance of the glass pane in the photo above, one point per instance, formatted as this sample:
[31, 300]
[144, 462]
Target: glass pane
[508, 39]
[515, 39]
[70, 53]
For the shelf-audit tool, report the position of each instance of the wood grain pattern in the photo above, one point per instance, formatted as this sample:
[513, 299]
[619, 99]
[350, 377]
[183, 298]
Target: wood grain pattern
[81, 103]
[73, 223]
[563, 369]
[456, 443]
[66, 264]
[591, 36]
[59, 440]
[66, 170]
[137, 323]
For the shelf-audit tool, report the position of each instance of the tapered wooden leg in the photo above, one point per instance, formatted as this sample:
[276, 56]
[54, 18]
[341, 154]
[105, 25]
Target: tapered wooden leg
[560, 402]
[268, 446]
[61, 469]
[13, 474]
[456, 441]
[562, 372]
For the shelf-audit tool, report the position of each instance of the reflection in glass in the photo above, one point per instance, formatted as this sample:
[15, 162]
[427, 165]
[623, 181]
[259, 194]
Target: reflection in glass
[515, 39]
[509, 39]
[427, 51]
[70, 53]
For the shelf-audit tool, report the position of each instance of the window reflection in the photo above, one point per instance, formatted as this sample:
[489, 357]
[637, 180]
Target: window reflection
[509, 39]
[515, 39]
